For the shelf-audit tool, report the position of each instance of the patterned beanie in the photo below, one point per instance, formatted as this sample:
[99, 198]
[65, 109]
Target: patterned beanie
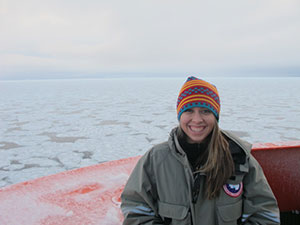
[198, 93]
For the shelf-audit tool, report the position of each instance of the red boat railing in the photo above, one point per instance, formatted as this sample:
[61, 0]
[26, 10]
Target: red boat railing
[281, 164]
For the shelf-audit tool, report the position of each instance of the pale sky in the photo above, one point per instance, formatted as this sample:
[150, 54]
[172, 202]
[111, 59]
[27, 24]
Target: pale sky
[82, 38]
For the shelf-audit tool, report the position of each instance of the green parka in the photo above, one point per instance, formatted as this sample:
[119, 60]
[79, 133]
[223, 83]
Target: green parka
[159, 191]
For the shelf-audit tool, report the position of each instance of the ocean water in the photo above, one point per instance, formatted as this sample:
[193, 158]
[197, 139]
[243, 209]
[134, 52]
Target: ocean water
[51, 126]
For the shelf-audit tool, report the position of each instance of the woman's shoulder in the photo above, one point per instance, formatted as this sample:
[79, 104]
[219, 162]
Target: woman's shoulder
[157, 153]
[160, 150]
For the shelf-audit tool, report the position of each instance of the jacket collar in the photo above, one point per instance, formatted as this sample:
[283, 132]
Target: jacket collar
[246, 146]
[174, 143]
[179, 152]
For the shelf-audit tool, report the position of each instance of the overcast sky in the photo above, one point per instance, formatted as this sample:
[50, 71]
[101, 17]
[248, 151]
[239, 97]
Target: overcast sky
[82, 38]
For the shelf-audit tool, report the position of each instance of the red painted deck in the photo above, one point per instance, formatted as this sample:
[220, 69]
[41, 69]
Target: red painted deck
[88, 195]
[91, 195]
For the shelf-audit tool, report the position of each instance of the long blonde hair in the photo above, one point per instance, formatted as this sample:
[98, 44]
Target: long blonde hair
[219, 165]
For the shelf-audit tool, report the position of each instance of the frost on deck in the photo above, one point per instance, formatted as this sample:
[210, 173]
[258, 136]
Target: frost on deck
[88, 195]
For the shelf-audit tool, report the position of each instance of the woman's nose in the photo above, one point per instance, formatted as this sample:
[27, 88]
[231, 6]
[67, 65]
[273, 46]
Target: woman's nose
[197, 117]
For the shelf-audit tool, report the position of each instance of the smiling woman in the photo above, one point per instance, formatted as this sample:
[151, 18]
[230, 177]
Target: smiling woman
[201, 175]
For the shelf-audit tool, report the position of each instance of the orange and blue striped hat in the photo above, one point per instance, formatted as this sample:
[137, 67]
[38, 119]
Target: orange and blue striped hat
[198, 93]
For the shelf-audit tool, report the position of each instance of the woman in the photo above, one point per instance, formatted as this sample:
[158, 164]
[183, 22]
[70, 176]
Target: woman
[202, 175]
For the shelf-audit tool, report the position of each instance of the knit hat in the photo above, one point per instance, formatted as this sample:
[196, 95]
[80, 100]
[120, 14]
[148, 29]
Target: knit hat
[198, 93]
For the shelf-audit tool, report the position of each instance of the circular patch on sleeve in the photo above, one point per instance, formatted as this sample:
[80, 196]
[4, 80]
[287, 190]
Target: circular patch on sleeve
[233, 190]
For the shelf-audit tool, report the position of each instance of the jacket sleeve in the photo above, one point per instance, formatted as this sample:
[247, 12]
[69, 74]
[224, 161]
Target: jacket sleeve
[260, 205]
[139, 196]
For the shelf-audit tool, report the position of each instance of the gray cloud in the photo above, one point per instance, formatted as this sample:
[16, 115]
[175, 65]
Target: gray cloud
[90, 37]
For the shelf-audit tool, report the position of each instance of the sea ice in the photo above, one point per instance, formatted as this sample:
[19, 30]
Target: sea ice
[51, 126]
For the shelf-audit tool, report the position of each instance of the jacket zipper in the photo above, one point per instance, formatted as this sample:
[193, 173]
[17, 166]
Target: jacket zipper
[216, 216]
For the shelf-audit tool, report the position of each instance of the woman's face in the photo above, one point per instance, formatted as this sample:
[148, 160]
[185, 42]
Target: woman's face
[197, 123]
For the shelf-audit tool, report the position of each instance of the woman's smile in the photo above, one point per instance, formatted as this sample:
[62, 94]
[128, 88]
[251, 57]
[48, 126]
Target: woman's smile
[197, 123]
[197, 129]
